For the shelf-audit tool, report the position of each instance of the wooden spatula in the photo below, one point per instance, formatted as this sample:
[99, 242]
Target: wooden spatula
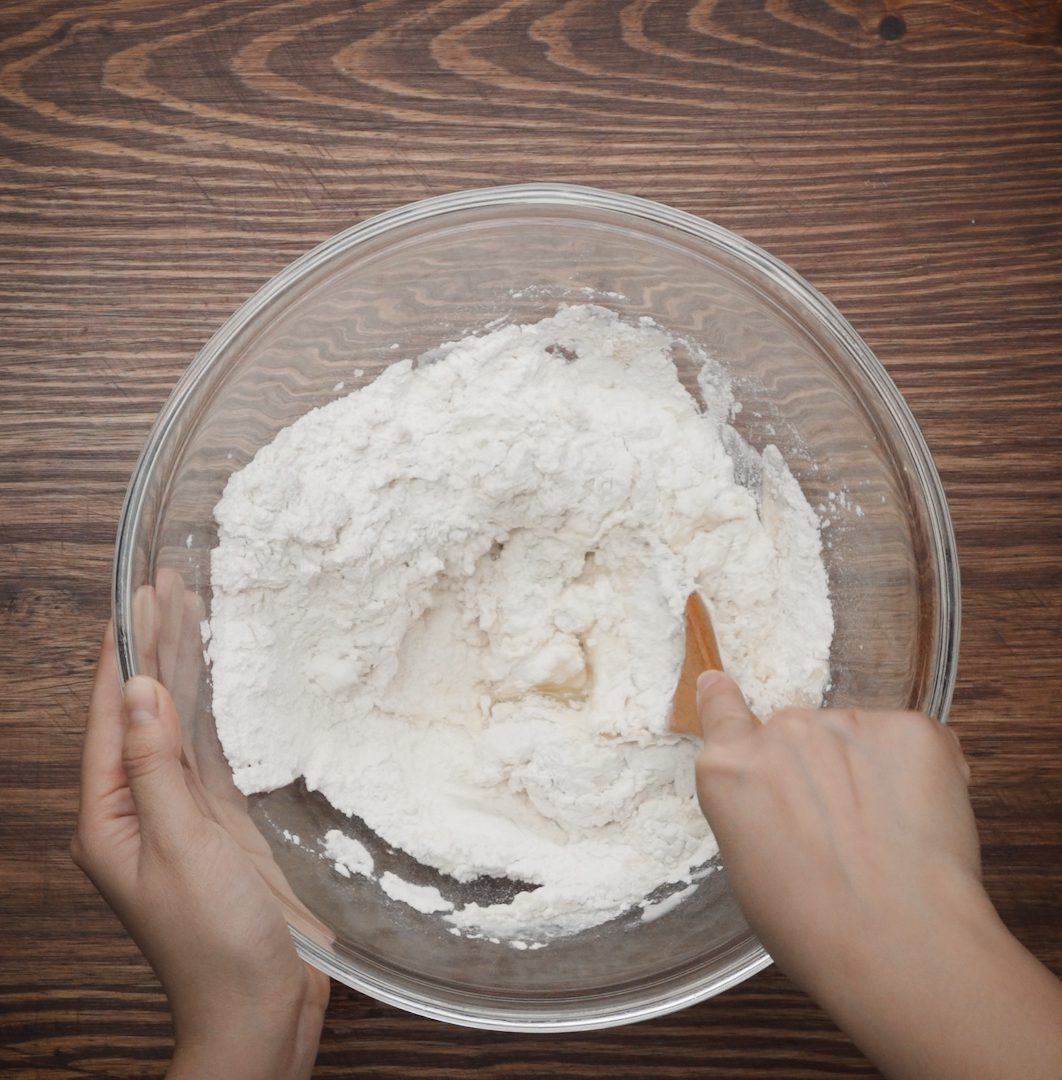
[702, 654]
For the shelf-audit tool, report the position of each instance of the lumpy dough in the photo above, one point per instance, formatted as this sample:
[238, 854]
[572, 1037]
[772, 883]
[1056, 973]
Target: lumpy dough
[453, 602]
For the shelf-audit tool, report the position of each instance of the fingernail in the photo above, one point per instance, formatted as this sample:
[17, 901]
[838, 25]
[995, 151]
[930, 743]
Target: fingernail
[705, 680]
[141, 701]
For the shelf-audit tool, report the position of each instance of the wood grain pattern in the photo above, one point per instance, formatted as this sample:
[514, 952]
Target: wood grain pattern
[159, 159]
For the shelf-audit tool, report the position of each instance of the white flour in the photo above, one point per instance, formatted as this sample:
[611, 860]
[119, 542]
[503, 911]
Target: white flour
[424, 898]
[349, 856]
[453, 602]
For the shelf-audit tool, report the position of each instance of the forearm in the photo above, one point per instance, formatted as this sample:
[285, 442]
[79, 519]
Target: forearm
[948, 994]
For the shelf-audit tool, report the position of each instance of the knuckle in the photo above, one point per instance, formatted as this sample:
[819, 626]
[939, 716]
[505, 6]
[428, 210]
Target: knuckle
[916, 730]
[846, 723]
[791, 723]
[916, 725]
[704, 765]
[714, 762]
[140, 758]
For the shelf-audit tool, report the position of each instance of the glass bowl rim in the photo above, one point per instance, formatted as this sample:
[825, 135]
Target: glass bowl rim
[569, 196]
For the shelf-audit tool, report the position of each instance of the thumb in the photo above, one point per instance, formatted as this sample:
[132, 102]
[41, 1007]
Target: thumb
[722, 708]
[151, 759]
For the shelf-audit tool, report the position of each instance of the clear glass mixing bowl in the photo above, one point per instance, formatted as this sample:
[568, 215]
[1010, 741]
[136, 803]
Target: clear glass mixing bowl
[395, 287]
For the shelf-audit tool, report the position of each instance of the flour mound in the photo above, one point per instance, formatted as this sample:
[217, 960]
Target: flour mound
[453, 602]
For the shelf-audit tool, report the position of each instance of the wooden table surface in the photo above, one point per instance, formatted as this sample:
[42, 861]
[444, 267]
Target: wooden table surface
[163, 158]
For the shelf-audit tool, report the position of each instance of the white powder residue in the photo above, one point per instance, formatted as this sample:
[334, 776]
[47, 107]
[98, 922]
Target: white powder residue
[453, 602]
[348, 855]
[652, 912]
[424, 898]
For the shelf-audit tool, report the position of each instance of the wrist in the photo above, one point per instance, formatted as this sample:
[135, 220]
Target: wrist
[899, 934]
[910, 988]
[256, 1041]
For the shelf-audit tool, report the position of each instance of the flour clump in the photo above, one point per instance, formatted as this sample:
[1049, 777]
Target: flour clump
[453, 601]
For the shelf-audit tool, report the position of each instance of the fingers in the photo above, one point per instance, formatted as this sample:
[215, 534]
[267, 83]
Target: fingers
[188, 667]
[723, 711]
[151, 759]
[101, 756]
[169, 589]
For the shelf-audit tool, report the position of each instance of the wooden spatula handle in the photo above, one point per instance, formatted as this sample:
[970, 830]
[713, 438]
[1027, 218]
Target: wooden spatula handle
[702, 654]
